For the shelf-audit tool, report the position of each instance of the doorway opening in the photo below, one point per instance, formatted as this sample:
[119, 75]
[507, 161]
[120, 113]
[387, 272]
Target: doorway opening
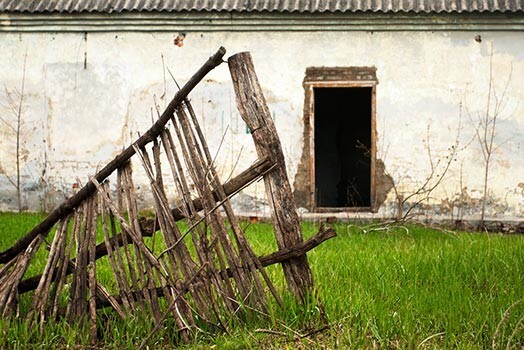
[343, 146]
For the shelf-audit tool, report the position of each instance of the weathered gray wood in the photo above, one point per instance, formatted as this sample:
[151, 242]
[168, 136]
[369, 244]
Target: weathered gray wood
[149, 226]
[70, 204]
[227, 275]
[10, 276]
[258, 169]
[42, 293]
[254, 111]
[280, 256]
[114, 258]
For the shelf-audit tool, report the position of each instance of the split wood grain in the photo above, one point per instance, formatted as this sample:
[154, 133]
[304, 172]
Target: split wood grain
[254, 111]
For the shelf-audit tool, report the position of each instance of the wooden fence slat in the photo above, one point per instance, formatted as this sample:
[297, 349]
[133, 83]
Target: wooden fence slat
[255, 112]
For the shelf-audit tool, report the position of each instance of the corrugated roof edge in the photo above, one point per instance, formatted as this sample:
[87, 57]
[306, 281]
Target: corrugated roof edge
[262, 6]
[429, 11]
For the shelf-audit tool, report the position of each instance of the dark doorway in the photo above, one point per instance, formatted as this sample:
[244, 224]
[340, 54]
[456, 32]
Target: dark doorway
[343, 139]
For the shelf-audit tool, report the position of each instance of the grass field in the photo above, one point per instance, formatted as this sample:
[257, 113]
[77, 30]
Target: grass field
[402, 287]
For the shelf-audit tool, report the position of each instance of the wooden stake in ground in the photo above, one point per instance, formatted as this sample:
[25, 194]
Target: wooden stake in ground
[254, 111]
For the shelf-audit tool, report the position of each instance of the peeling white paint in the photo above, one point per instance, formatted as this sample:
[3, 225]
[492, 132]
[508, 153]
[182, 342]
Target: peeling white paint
[87, 115]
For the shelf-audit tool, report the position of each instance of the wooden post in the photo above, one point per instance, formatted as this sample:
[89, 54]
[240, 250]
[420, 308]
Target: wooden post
[254, 111]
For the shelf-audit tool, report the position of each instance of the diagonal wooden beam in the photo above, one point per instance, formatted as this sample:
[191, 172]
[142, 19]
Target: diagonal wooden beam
[71, 203]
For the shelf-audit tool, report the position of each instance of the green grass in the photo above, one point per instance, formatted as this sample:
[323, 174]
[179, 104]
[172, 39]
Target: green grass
[405, 287]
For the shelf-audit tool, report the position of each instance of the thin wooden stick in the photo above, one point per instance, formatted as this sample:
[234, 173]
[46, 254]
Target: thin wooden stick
[91, 268]
[200, 178]
[170, 231]
[214, 220]
[118, 273]
[60, 280]
[41, 296]
[202, 159]
[143, 256]
[246, 252]
[78, 303]
[126, 239]
[182, 258]
[134, 236]
[10, 276]
[170, 308]
[142, 249]
[199, 239]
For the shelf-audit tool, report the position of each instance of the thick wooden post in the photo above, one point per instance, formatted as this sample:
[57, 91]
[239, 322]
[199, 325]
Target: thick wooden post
[254, 111]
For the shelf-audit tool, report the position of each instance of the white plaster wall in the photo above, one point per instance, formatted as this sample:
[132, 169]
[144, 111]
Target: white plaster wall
[78, 118]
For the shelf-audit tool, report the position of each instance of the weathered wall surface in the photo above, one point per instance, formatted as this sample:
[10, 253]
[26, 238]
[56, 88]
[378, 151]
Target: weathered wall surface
[87, 96]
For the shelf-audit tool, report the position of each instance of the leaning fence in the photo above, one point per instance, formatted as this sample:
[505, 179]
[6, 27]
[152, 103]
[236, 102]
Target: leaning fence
[204, 271]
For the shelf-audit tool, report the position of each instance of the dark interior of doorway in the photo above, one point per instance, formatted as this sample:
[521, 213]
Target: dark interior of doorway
[342, 147]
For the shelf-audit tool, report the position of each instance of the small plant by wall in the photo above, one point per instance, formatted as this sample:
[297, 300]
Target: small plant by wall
[12, 118]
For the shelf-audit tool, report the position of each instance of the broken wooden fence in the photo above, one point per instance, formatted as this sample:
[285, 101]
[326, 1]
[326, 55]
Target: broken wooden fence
[202, 272]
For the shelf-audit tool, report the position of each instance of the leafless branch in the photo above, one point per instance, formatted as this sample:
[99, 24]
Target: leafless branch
[438, 170]
[15, 101]
[486, 126]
